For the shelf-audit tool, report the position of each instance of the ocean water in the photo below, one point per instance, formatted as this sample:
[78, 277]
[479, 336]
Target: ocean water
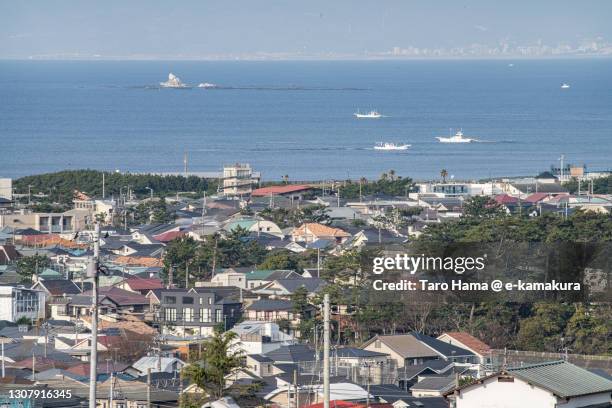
[295, 118]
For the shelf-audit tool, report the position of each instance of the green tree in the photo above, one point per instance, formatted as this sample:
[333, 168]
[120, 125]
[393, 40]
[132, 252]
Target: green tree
[444, 175]
[179, 254]
[544, 329]
[282, 259]
[219, 360]
[30, 265]
[482, 207]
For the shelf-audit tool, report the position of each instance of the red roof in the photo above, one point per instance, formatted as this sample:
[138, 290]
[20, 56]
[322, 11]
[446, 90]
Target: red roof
[169, 236]
[536, 197]
[279, 190]
[144, 283]
[505, 199]
[470, 342]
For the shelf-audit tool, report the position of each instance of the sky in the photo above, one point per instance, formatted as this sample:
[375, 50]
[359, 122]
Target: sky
[151, 28]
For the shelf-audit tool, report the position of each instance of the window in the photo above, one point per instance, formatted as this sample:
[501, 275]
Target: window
[210, 301]
[170, 299]
[219, 316]
[188, 314]
[205, 315]
[26, 302]
[201, 301]
[188, 300]
[170, 314]
[377, 344]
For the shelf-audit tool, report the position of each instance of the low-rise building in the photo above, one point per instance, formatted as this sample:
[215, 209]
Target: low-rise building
[551, 384]
[17, 302]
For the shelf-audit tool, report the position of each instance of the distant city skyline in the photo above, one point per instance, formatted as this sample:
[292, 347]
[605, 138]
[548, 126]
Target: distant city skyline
[242, 29]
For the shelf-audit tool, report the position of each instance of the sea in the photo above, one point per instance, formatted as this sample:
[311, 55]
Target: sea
[295, 118]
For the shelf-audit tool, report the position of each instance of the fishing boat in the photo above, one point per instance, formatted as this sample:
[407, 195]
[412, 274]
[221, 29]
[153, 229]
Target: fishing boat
[373, 114]
[565, 86]
[173, 82]
[391, 146]
[457, 138]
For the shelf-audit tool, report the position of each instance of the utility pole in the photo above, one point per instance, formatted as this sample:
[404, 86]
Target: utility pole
[92, 272]
[149, 387]
[368, 384]
[295, 389]
[103, 186]
[326, 351]
[110, 394]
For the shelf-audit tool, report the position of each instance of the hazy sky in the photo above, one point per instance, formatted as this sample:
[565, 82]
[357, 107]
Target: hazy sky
[201, 27]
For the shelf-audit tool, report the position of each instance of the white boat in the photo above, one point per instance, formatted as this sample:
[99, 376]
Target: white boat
[565, 86]
[391, 146]
[457, 138]
[373, 114]
[172, 82]
[207, 85]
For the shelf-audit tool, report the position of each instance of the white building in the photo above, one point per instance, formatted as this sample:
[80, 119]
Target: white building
[18, 302]
[546, 385]
[255, 337]
[6, 188]
[237, 179]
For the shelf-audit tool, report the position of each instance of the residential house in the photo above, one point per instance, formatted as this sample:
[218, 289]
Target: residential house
[311, 232]
[257, 278]
[550, 384]
[17, 302]
[196, 311]
[415, 348]
[8, 254]
[157, 364]
[287, 287]
[273, 310]
[140, 285]
[260, 337]
[434, 386]
[468, 342]
[255, 225]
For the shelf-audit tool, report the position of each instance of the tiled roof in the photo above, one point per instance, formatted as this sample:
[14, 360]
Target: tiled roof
[270, 304]
[470, 342]
[445, 349]
[169, 236]
[319, 230]
[138, 261]
[59, 287]
[536, 197]
[441, 384]
[121, 297]
[406, 345]
[273, 190]
[563, 379]
[505, 199]
[144, 283]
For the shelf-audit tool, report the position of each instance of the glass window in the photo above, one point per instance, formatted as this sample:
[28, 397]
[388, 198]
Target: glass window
[219, 316]
[170, 299]
[205, 315]
[188, 314]
[188, 300]
[170, 314]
